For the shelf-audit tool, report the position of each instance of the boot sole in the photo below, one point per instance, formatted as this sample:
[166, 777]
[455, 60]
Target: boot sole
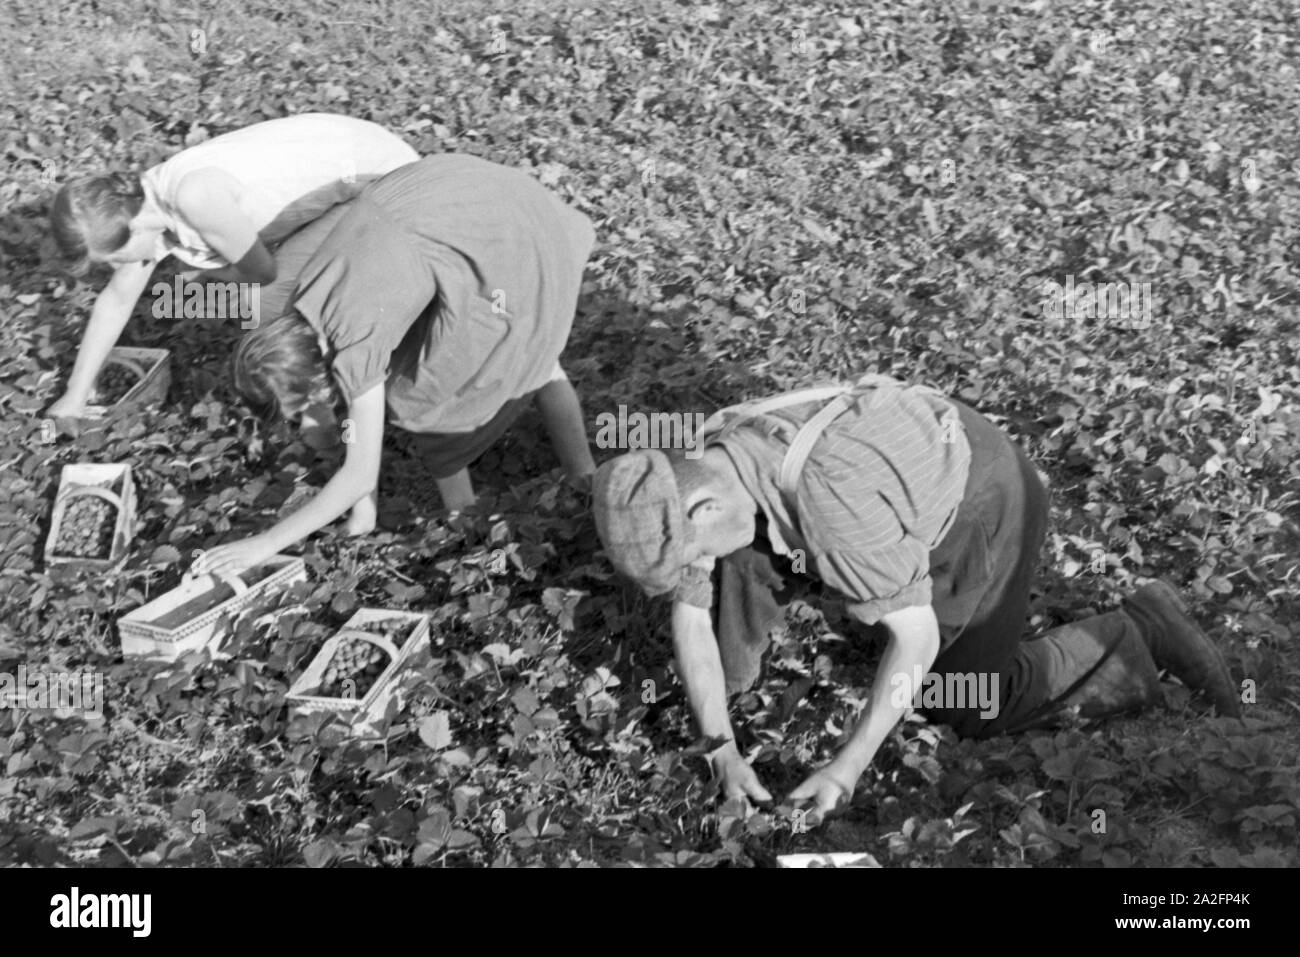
[1163, 590]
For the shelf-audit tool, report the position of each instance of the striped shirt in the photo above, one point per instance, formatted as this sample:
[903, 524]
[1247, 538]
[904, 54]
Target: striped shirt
[878, 492]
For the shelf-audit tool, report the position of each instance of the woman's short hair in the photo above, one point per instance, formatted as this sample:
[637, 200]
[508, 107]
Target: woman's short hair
[279, 368]
[93, 214]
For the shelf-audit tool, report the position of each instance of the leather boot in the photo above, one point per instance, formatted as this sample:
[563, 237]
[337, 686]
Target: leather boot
[1127, 680]
[1178, 644]
[1100, 664]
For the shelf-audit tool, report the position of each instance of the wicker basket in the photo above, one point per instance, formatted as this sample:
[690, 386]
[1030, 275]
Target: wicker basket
[153, 369]
[114, 484]
[362, 712]
[186, 619]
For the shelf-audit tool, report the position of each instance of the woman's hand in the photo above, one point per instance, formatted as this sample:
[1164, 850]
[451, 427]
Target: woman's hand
[66, 407]
[364, 516]
[234, 558]
[354, 483]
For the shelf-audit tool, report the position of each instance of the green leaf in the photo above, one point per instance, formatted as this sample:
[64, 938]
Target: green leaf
[320, 853]
[165, 555]
[435, 730]
[94, 826]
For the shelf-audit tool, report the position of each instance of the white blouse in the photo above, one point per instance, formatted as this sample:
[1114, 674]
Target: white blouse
[291, 171]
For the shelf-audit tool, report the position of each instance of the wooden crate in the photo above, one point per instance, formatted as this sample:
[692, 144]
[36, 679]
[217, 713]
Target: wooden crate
[364, 712]
[111, 482]
[199, 611]
[153, 369]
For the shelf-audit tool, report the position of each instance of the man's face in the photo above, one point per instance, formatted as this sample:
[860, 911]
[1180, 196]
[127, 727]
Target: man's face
[719, 526]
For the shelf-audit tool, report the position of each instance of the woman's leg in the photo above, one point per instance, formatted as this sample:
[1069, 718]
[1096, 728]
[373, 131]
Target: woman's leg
[562, 414]
[457, 490]
[448, 455]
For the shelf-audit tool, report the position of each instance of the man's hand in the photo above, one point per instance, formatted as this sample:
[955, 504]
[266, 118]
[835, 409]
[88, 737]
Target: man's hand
[233, 559]
[913, 645]
[737, 778]
[829, 789]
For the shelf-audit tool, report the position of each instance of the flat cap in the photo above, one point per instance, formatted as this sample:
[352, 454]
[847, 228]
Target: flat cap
[639, 518]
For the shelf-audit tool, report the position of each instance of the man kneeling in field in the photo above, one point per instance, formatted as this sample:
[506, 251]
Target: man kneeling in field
[921, 512]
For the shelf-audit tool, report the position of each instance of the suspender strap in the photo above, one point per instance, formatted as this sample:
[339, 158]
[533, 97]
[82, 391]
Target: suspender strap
[837, 398]
[749, 410]
[802, 445]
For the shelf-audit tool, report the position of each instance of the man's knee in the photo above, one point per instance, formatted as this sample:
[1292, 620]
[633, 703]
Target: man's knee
[971, 703]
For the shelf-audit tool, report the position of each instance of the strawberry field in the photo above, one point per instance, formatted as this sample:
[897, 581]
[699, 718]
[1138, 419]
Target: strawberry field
[783, 194]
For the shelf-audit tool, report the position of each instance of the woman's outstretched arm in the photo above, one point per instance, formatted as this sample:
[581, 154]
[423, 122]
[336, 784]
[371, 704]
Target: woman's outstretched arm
[356, 479]
[107, 320]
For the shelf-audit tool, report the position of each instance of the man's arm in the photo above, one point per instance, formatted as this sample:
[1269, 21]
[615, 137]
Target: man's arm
[913, 647]
[208, 199]
[700, 667]
[108, 318]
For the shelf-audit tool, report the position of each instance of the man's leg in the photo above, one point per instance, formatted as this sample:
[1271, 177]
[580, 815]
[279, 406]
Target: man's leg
[1108, 664]
[1105, 665]
[983, 571]
[1100, 664]
[1177, 643]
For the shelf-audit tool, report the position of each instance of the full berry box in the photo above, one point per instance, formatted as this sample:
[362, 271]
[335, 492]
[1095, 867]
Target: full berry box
[131, 378]
[355, 672]
[94, 511]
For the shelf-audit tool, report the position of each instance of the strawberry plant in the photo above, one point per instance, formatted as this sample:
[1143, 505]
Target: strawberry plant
[783, 194]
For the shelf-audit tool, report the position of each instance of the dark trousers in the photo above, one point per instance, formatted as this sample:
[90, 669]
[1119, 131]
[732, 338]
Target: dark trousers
[982, 572]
